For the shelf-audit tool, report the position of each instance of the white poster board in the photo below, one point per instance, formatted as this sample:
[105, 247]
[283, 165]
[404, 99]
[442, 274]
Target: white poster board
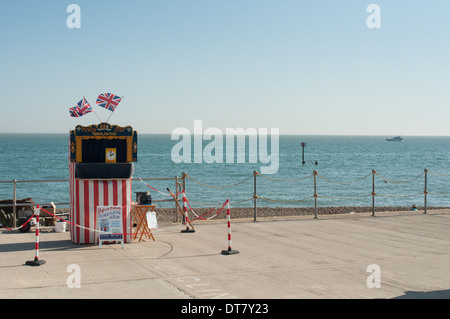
[109, 221]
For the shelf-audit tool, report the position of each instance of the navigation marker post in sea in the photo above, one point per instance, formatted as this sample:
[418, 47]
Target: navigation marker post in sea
[303, 152]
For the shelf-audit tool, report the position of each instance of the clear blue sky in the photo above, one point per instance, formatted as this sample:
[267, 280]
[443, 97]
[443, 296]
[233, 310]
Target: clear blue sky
[305, 67]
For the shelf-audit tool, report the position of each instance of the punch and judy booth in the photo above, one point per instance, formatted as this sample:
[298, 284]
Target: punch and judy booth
[100, 169]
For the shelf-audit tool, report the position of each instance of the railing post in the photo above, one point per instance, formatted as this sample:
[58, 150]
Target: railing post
[184, 190]
[177, 190]
[315, 194]
[14, 220]
[373, 191]
[255, 197]
[425, 192]
[184, 180]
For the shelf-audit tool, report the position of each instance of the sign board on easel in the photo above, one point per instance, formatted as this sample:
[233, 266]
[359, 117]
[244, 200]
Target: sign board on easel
[109, 221]
[151, 220]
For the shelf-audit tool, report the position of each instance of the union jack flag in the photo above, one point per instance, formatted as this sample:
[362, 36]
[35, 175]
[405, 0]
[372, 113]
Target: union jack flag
[80, 109]
[108, 100]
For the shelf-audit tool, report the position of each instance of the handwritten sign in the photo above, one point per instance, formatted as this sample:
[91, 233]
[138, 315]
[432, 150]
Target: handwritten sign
[109, 221]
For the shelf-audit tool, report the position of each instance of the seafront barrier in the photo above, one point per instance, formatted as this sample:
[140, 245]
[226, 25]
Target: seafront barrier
[254, 200]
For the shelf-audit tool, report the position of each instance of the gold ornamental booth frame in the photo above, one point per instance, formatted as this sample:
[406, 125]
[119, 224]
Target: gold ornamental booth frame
[102, 131]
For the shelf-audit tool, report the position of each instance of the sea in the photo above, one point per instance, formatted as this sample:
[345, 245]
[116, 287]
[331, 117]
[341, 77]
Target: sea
[344, 166]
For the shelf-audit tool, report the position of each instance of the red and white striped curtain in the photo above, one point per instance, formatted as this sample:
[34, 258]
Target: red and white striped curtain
[86, 195]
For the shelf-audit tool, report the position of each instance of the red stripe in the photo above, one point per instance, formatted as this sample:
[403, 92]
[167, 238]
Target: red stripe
[71, 190]
[96, 200]
[77, 213]
[115, 192]
[86, 211]
[128, 210]
[124, 208]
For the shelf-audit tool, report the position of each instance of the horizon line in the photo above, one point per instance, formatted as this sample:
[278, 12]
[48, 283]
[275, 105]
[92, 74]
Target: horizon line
[287, 134]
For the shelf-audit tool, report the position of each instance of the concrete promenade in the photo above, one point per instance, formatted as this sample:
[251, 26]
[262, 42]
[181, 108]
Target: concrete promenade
[279, 258]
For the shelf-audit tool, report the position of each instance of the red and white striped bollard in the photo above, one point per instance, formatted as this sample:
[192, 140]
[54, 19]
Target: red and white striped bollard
[186, 219]
[229, 251]
[36, 261]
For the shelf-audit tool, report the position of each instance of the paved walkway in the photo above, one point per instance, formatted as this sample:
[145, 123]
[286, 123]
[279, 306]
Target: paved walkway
[279, 258]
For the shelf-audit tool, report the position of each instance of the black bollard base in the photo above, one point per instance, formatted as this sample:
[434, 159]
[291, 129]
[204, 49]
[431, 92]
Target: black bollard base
[187, 230]
[35, 262]
[229, 252]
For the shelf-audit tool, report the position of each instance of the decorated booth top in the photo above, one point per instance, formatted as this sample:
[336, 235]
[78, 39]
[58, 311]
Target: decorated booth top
[103, 143]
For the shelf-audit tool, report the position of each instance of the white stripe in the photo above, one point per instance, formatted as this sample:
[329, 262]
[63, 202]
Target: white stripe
[110, 194]
[100, 203]
[119, 193]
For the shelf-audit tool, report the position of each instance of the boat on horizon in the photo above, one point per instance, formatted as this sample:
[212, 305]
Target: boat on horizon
[395, 139]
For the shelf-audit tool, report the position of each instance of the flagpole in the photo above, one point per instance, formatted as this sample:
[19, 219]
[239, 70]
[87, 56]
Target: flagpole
[113, 111]
[97, 116]
[94, 111]
[110, 116]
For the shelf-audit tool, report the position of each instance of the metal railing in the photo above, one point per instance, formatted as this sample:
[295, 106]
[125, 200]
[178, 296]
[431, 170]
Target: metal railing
[180, 184]
[316, 195]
